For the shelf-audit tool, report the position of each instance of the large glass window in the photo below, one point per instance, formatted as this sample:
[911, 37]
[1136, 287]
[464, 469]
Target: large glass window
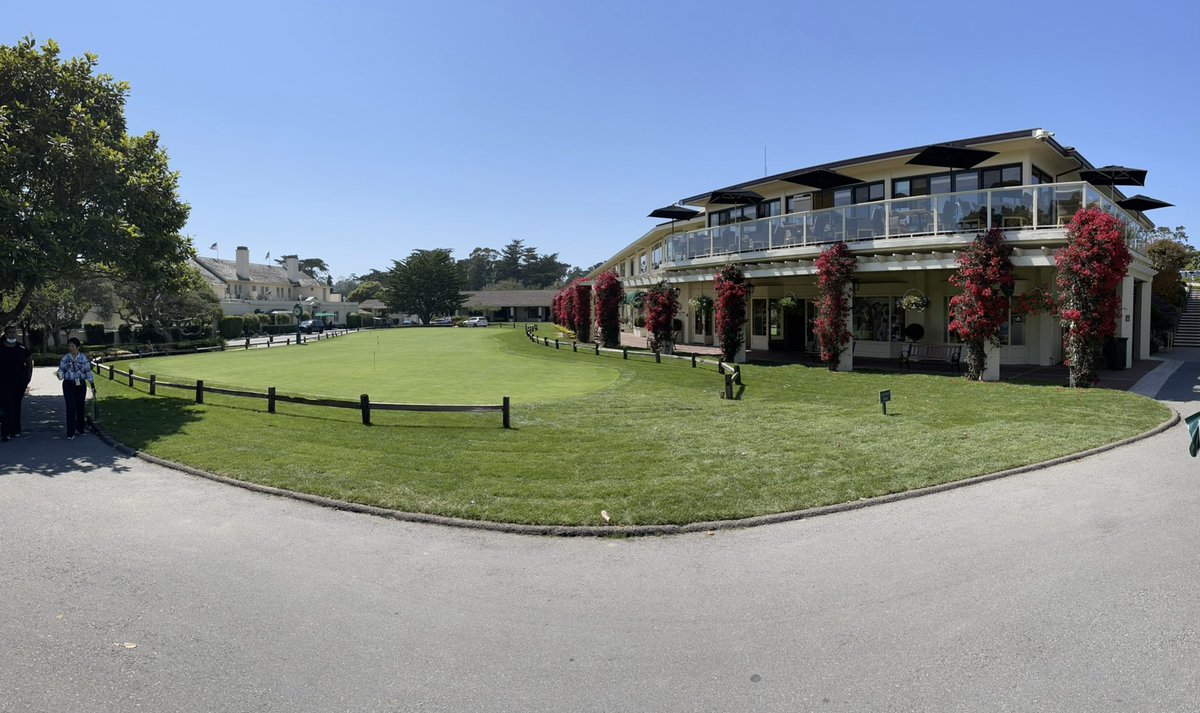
[800, 203]
[878, 319]
[733, 215]
[1039, 176]
[862, 193]
[758, 318]
[909, 187]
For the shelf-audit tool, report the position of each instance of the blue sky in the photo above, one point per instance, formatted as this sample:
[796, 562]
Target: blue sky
[359, 131]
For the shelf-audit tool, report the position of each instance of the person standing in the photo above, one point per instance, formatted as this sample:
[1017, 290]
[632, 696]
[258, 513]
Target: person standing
[75, 371]
[16, 369]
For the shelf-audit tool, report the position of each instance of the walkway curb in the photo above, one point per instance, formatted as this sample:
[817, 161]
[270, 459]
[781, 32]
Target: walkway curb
[630, 530]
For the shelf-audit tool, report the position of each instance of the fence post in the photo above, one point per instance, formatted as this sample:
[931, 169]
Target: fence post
[199, 391]
[657, 357]
[729, 386]
[270, 399]
[597, 345]
[365, 404]
[737, 374]
[247, 342]
[131, 376]
[152, 379]
[556, 344]
[506, 413]
[625, 352]
[574, 346]
[110, 372]
[693, 361]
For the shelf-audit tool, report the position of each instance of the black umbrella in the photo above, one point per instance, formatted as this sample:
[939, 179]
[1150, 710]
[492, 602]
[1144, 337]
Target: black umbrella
[1140, 202]
[735, 198]
[822, 179]
[674, 213]
[946, 156]
[1114, 176]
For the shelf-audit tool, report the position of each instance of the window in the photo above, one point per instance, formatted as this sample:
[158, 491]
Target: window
[1040, 176]
[1001, 176]
[878, 319]
[758, 318]
[656, 256]
[862, 193]
[643, 263]
[733, 215]
[910, 187]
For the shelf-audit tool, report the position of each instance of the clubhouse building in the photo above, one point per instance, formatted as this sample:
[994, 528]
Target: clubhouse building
[904, 214]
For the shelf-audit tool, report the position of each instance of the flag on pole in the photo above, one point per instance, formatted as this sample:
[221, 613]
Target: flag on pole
[268, 257]
[212, 247]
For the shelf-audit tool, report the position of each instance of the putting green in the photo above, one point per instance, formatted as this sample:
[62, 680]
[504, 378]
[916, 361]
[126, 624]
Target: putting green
[450, 366]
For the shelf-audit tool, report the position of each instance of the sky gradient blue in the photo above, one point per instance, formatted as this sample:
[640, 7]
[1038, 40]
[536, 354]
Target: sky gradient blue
[360, 131]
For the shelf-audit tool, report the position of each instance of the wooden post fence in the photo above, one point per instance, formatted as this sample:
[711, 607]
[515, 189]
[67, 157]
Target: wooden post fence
[365, 404]
[152, 384]
[270, 399]
[199, 391]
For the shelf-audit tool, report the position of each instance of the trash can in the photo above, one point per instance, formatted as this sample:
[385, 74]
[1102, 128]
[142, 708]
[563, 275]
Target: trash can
[1114, 352]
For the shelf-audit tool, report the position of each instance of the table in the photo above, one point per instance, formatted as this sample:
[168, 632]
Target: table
[1015, 221]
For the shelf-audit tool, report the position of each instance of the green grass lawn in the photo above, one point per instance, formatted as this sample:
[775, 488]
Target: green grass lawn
[649, 443]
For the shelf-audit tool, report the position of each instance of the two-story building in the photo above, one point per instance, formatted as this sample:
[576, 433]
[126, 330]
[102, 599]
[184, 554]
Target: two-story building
[243, 286]
[905, 214]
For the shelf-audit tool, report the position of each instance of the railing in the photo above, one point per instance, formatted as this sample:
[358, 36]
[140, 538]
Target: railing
[364, 403]
[1011, 208]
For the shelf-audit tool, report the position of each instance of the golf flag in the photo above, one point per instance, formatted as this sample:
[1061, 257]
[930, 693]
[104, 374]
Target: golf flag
[212, 247]
[1193, 424]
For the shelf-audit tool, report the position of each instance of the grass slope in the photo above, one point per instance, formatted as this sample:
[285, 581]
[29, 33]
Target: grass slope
[650, 443]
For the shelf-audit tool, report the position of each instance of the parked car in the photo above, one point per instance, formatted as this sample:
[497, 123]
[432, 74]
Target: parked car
[441, 322]
[475, 322]
[309, 326]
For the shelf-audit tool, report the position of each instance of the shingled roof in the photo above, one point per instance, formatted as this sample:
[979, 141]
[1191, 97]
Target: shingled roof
[226, 272]
[509, 298]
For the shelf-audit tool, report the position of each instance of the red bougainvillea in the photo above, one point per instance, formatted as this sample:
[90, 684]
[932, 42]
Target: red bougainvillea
[661, 305]
[1090, 269]
[609, 294]
[835, 265]
[582, 304]
[1035, 301]
[985, 276]
[730, 286]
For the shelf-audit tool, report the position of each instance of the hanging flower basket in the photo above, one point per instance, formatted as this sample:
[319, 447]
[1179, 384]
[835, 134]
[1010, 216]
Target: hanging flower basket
[702, 304]
[914, 301]
[789, 302]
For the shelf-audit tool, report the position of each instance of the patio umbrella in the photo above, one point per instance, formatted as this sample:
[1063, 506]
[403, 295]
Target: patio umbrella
[1140, 203]
[735, 198]
[822, 179]
[674, 213]
[946, 156]
[1114, 176]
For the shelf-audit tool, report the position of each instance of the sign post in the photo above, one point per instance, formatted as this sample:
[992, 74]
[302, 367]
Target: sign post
[884, 397]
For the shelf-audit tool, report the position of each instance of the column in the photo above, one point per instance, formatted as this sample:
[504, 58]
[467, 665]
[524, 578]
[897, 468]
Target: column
[1125, 325]
[1142, 320]
[846, 361]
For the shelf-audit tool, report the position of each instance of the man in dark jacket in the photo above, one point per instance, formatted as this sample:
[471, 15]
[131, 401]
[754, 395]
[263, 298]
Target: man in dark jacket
[16, 369]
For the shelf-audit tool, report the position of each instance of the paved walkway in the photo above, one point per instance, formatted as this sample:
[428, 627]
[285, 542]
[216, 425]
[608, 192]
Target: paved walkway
[127, 586]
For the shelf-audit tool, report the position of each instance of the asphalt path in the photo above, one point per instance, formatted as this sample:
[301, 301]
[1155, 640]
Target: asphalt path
[126, 586]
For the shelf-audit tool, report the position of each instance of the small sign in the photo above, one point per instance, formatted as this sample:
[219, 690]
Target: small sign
[885, 396]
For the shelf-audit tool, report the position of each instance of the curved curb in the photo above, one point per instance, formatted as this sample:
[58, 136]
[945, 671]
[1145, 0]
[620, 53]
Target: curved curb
[630, 530]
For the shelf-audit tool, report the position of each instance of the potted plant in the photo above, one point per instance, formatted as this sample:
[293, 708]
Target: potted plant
[914, 301]
[789, 302]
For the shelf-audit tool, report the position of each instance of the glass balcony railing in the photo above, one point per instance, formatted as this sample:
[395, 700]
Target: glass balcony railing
[1010, 208]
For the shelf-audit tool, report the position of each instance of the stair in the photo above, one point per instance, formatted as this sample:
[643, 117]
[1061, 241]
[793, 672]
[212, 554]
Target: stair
[1187, 332]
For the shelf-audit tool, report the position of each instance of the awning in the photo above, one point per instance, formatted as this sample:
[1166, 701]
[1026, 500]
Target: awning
[1114, 176]
[947, 156]
[1140, 202]
[822, 179]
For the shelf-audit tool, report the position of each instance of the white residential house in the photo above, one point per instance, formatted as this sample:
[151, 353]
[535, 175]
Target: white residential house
[242, 287]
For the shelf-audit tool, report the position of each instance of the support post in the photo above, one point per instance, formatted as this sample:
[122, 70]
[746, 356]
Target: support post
[199, 391]
[364, 403]
[506, 413]
[625, 352]
[131, 377]
[597, 345]
[693, 361]
[110, 372]
[574, 346]
[152, 380]
[657, 357]
[271, 399]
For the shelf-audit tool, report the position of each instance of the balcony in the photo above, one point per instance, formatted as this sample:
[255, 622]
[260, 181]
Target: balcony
[1020, 208]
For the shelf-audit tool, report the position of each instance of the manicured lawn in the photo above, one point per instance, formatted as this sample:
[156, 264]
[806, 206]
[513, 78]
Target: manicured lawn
[649, 443]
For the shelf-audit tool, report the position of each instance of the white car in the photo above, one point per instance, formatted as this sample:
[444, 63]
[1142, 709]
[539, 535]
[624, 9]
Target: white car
[475, 322]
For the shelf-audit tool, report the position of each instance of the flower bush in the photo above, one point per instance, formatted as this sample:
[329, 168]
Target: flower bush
[835, 266]
[661, 305]
[582, 303]
[984, 272]
[730, 285]
[1090, 269]
[609, 294]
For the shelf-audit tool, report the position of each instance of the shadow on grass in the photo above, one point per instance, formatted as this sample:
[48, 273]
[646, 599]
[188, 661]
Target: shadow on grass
[138, 423]
[42, 449]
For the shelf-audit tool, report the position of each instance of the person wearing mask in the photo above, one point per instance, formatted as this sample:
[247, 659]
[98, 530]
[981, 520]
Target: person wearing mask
[16, 369]
[75, 371]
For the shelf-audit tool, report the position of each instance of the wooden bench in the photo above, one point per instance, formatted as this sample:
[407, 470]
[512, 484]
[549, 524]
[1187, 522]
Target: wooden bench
[949, 354]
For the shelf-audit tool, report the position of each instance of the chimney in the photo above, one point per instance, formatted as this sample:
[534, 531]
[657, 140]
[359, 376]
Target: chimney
[293, 268]
[243, 262]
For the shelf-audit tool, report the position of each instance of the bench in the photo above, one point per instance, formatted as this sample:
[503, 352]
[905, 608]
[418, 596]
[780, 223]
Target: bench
[930, 353]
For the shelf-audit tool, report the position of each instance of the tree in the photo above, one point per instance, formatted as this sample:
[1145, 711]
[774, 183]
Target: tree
[55, 307]
[662, 304]
[368, 290]
[159, 302]
[835, 266]
[479, 269]
[78, 195]
[730, 286]
[542, 271]
[576, 273]
[609, 294]
[985, 276]
[1090, 268]
[583, 310]
[314, 267]
[1169, 255]
[426, 283]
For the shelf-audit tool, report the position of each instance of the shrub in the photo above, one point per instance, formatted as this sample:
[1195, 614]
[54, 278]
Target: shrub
[231, 327]
[609, 294]
[354, 320]
[94, 333]
[984, 274]
[582, 304]
[1090, 268]
[125, 333]
[835, 266]
[730, 286]
[661, 305]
